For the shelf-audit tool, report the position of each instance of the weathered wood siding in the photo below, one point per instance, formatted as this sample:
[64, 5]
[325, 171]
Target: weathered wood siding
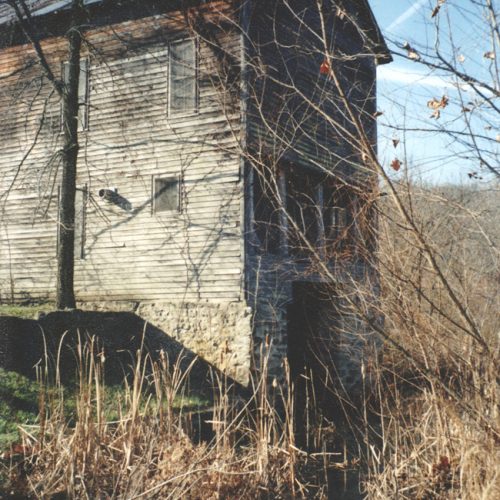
[130, 253]
[295, 111]
[296, 117]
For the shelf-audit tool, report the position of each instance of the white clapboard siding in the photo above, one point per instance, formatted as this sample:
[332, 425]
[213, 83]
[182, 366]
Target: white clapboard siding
[129, 254]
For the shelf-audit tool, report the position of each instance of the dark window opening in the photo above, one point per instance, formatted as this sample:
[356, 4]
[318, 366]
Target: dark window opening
[319, 214]
[166, 195]
[339, 217]
[303, 210]
[266, 209]
[363, 225]
[182, 85]
[334, 211]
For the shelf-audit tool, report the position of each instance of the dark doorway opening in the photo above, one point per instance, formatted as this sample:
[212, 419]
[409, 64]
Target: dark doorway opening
[312, 322]
[313, 329]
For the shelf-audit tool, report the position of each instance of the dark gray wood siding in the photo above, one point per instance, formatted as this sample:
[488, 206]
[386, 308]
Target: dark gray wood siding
[298, 127]
[294, 108]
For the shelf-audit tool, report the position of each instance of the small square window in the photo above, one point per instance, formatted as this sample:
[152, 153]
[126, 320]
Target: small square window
[166, 195]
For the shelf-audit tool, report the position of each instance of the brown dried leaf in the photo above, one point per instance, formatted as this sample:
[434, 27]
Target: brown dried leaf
[324, 69]
[395, 142]
[377, 114]
[412, 53]
[436, 105]
[435, 11]
[396, 164]
[489, 55]
[433, 103]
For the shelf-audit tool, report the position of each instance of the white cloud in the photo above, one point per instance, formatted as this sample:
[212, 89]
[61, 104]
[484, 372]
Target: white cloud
[406, 15]
[393, 73]
[404, 76]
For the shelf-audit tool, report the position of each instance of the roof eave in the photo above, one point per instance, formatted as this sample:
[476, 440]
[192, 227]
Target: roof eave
[367, 24]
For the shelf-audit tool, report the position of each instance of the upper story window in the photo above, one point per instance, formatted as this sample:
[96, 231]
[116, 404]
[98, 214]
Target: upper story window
[297, 212]
[335, 203]
[83, 92]
[183, 88]
[267, 209]
[303, 207]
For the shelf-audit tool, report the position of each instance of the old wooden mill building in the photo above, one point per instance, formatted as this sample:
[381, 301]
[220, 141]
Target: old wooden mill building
[219, 174]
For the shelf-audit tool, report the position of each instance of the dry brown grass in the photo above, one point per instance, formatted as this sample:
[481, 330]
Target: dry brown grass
[439, 380]
[429, 428]
[147, 450]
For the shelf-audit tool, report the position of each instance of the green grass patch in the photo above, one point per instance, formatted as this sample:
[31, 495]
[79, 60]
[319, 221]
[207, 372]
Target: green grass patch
[20, 399]
[25, 311]
[18, 405]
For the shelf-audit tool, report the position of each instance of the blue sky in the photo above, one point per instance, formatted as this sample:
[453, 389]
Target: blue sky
[405, 87]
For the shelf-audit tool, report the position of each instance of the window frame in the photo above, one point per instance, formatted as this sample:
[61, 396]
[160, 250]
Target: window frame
[330, 211]
[172, 113]
[166, 178]
[303, 208]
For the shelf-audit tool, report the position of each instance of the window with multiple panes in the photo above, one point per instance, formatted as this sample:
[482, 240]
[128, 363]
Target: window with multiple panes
[317, 211]
[166, 194]
[182, 77]
[335, 204]
[267, 213]
[303, 210]
[83, 91]
[182, 81]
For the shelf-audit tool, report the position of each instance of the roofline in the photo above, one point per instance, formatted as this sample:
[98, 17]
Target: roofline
[368, 22]
[58, 6]
[53, 8]
[386, 56]
[52, 20]
[381, 50]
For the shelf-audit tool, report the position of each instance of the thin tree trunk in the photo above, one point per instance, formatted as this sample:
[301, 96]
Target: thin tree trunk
[66, 241]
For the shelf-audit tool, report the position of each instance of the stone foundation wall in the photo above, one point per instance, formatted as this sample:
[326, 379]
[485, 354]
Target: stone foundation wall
[232, 337]
[220, 333]
[344, 344]
[270, 335]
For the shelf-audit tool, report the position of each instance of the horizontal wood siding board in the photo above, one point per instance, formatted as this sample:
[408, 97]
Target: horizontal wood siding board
[291, 127]
[130, 254]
